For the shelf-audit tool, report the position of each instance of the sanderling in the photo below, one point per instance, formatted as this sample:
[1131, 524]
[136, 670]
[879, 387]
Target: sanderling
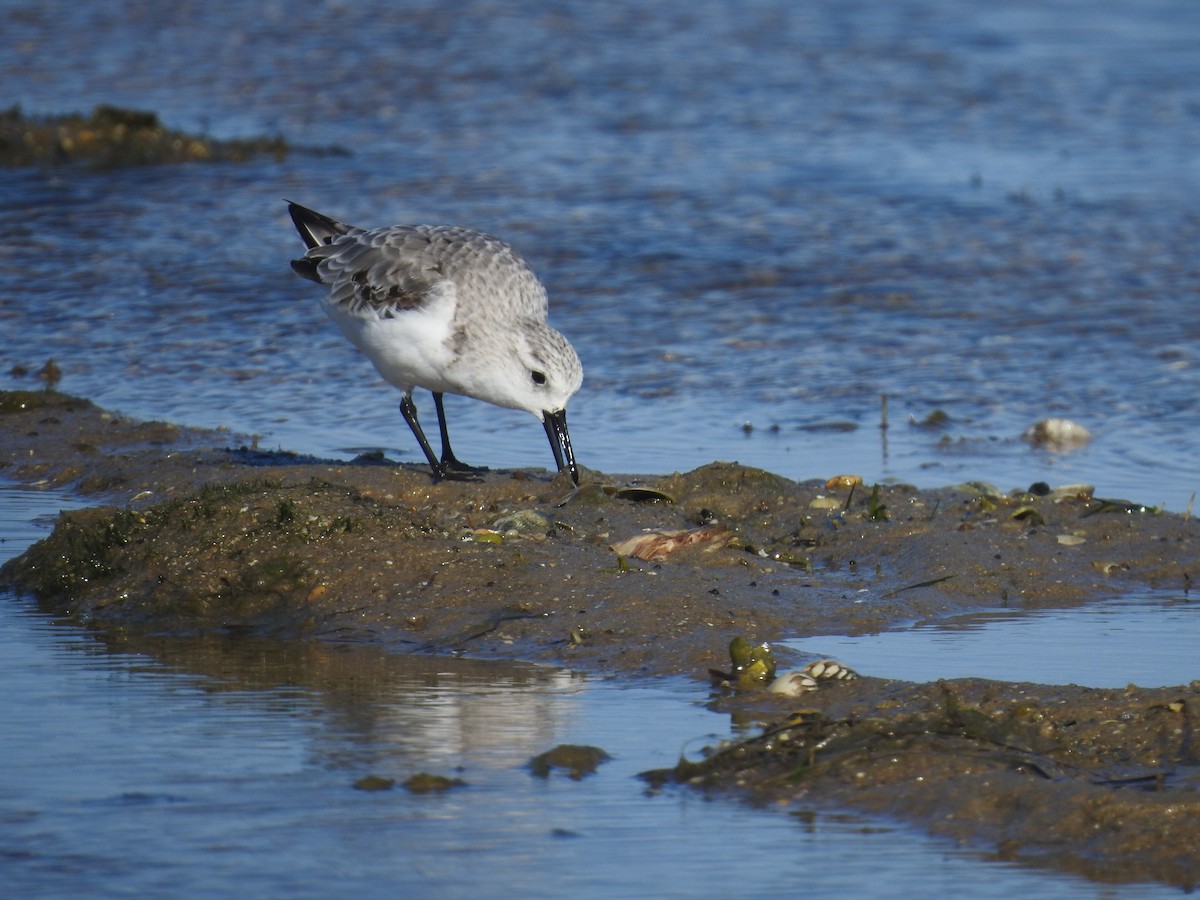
[449, 309]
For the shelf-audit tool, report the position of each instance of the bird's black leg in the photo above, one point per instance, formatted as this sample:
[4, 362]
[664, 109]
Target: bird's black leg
[409, 410]
[450, 463]
[442, 471]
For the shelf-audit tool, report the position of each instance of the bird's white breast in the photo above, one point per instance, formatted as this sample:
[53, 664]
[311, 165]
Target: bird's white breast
[410, 347]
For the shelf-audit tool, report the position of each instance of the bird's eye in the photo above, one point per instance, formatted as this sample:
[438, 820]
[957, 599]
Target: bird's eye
[538, 377]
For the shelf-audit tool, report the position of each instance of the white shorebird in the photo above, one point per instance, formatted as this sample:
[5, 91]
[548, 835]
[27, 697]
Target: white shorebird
[448, 309]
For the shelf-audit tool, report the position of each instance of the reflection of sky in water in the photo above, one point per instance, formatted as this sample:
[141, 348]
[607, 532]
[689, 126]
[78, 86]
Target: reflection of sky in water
[135, 776]
[1148, 641]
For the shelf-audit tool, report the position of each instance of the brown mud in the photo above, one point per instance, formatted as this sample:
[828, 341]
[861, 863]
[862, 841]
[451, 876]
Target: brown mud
[192, 537]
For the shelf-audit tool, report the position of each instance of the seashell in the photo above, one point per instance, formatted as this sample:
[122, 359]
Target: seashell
[793, 684]
[641, 495]
[1071, 540]
[658, 545]
[1059, 435]
[843, 481]
[829, 670]
[525, 521]
[811, 677]
[820, 502]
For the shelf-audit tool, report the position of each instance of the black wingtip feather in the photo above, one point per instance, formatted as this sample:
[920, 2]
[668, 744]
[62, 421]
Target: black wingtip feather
[306, 268]
[314, 228]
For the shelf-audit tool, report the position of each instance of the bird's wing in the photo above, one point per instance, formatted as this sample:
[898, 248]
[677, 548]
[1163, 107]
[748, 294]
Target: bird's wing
[379, 273]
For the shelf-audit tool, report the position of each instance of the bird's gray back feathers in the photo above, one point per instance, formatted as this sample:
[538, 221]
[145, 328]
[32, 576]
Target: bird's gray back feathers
[387, 270]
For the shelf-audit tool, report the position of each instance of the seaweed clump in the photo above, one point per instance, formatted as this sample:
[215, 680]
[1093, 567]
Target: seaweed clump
[1101, 782]
[116, 137]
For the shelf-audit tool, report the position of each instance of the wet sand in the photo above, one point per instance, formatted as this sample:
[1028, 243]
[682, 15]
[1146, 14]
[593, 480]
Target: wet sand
[191, 536]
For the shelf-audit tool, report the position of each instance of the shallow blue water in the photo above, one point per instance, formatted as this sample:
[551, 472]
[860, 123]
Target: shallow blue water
[770, 214]
[1147, 639]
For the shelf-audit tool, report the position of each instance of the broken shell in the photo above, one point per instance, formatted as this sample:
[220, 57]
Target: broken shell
[641, 495]
[843, 481]
[792, 684]
[1058, 435]
[811, 677]
[525, 521]
[658, 545]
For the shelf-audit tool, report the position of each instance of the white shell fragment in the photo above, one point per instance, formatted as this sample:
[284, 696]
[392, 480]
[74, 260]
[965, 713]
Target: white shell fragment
[1057, 435]
[792, 684]
[811, 677]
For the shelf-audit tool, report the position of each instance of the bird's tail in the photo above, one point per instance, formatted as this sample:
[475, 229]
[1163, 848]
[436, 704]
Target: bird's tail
[316, 229]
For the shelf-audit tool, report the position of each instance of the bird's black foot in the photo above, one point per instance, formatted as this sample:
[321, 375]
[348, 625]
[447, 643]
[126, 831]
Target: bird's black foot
[456, 471]
[451, 464]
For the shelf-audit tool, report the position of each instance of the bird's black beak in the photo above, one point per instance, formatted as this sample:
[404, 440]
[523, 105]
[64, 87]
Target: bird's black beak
[560, 442]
